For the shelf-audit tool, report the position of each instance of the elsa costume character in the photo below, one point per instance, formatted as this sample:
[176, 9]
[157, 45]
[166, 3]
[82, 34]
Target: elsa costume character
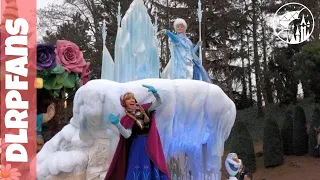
[184, 63]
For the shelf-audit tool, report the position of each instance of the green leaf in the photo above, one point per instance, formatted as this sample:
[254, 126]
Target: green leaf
[56, 94]
[70, 81]
[57, 86]
[43, 73]
[49, 82]
[78, 80]
[57, 70]
[62, 77]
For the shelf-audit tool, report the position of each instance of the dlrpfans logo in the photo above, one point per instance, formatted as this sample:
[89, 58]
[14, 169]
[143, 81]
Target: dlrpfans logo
[293, 23]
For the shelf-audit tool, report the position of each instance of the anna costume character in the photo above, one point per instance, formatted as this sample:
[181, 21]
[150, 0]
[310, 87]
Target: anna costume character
[139, 154]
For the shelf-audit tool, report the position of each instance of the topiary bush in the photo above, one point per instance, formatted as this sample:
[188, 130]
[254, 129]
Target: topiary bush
[287, 134]
[242, 144]
[272, 145]
[315, 124]
[300, 135]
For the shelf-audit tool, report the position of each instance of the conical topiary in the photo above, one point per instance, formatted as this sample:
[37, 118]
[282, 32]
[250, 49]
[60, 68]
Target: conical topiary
[300, 135]
[287, 134]
[272, 145]
[314, 150]
[242, 144]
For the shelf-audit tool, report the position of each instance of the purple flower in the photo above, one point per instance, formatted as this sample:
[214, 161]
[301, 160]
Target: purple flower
[46, 57]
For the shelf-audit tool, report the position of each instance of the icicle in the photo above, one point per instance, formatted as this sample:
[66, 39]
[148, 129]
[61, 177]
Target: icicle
[107, 69]
[119, 15]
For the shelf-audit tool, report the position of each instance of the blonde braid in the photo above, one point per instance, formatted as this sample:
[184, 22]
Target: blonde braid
[146, 117]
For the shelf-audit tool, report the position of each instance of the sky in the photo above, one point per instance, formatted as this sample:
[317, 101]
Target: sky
[43, 3]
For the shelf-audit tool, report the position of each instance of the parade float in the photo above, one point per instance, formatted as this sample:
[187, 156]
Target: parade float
[61, 70]
[194, 122]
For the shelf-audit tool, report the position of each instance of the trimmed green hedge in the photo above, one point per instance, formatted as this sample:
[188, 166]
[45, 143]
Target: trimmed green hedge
[287, 134]
[314, 152]
[242, 144]
[300, 135]
[272, 145]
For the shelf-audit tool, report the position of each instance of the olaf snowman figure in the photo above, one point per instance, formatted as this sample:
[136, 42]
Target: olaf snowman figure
[233, 165]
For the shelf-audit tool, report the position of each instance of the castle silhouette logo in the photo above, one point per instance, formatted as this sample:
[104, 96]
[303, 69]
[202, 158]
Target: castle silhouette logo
[293, 23]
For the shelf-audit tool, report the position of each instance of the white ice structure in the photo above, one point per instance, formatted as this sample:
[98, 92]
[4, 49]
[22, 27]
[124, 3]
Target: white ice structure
[136, 47]
[194, 115]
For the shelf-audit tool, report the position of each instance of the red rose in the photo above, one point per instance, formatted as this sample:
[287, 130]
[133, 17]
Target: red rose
[69, 56]
[85, 74]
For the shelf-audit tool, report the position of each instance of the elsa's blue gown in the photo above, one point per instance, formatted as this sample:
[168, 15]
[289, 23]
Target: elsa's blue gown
[184, 63]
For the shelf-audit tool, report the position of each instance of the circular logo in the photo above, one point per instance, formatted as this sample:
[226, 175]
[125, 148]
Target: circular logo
[293, 23]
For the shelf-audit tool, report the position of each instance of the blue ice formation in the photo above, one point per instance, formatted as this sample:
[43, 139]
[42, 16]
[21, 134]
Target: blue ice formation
[136, 47]
[107, 70]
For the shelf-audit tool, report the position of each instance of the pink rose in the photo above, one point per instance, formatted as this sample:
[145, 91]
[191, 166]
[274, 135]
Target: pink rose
[85, 74]
[69, 56]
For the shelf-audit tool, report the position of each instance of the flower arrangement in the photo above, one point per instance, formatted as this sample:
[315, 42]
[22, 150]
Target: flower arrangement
[61, 68]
